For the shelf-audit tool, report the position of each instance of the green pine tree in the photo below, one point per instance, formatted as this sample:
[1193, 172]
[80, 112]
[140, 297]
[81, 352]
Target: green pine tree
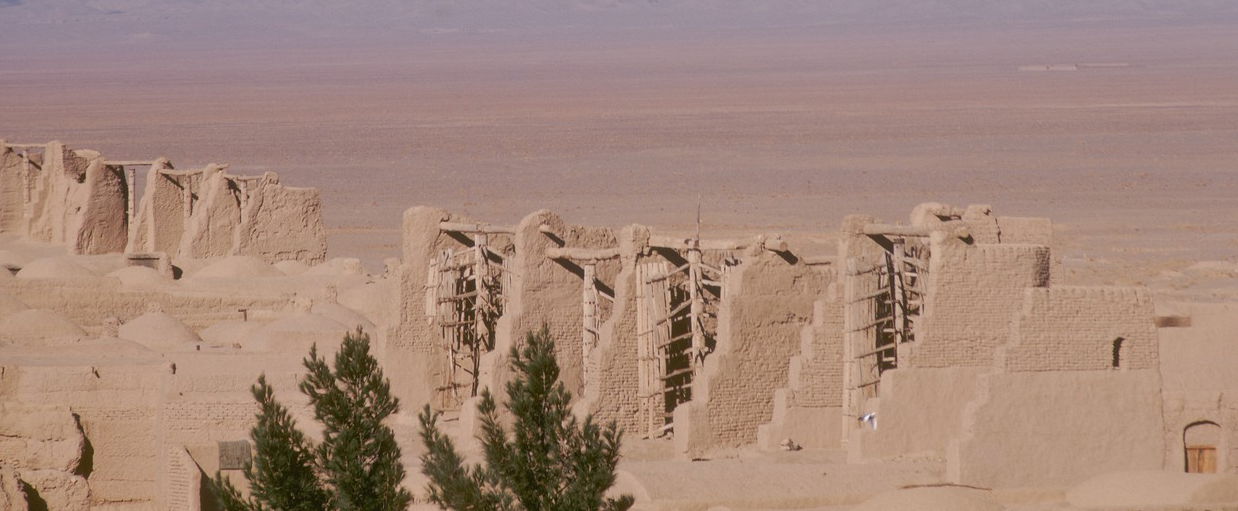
[549, 462]
[357, 465]
[358, 455]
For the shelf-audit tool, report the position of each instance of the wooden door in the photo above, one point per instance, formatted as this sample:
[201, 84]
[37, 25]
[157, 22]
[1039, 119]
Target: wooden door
[1201, 459]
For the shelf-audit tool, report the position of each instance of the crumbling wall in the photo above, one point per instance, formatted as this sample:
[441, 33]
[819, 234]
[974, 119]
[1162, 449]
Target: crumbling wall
[768, 298]
[809, 410]
[215, 217]
[45, 446]
[116, 404]
[280, 223]
[973, 291]
[13, 181]
[61, 193]
[416, 343]
[547, 292]
[612, 395]
[103, 226]
[160, 218]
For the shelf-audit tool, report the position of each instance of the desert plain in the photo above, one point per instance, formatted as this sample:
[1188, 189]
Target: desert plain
[773, 130]
[1123, 133]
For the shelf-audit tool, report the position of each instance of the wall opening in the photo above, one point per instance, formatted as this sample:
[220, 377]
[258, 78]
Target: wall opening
[1117, 352]
[1201, 442]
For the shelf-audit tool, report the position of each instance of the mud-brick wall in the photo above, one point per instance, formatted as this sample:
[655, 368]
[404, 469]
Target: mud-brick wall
[118, 410]
[819, 381]
[281, 223]
[612, 392]
[1074, 329]
[88, 302]
[766, 304]
[1205, 409]
[415, 346]
[973, 293]
[547, 292]
[12, 190]
[1057, 429]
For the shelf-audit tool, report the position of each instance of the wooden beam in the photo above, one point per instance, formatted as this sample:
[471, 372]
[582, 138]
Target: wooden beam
[25, 146]
[468, 228]
[129, 163]
[686, 243]
[896, 231]
[582, 254]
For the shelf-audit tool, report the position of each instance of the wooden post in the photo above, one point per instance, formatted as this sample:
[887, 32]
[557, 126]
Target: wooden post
[589, 300]
[130, 178]
[187, 197]
[481, 281]
[697, 309]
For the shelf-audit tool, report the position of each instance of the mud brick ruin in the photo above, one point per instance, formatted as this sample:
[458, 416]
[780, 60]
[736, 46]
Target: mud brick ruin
[944, 340]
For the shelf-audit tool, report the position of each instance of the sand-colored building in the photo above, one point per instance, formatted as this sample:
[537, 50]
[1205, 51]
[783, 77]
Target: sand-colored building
[941, 350]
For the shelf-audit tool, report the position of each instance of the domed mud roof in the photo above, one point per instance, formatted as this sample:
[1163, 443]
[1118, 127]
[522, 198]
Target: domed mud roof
[237, 267]
[34, 326]
[935, 498]
[159, 331]
[343, 315]
[139, 276]
[10, 305]
[292, 268]
[55, 268]
[1154, 489]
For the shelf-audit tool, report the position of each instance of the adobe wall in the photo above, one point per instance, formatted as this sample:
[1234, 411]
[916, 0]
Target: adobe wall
[12, 190]
[159, 220]
[118, 409]
[1056, 410]
[919, 412]
[1058, 428]
[88, 302]
[415, 344]
[1197, 371]
[216, 213]
[1067, 328]
[612, 395]
[281, 223]
[972, 293]
[546, 291]
[103, 225]
[809, 410]
[44, 447]
[75, 201]
[767, 301]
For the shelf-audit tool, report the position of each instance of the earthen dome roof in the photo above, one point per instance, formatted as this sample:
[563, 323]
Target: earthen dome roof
[54, 268]
[937, 498]
[36, 325]
[237, 267]
[159, 330]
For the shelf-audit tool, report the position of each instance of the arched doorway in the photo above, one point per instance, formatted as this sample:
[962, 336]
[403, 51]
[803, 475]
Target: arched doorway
[1201, 442]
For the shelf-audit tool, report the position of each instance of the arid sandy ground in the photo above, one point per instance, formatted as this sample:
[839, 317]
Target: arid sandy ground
[774, 130]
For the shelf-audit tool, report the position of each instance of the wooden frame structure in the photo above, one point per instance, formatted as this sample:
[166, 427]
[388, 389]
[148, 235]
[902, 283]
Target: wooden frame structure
[884, 300]
[465, 299]
[591, 314]
[678, 299]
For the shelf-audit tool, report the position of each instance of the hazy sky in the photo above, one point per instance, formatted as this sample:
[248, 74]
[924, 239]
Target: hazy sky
[144, 24]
